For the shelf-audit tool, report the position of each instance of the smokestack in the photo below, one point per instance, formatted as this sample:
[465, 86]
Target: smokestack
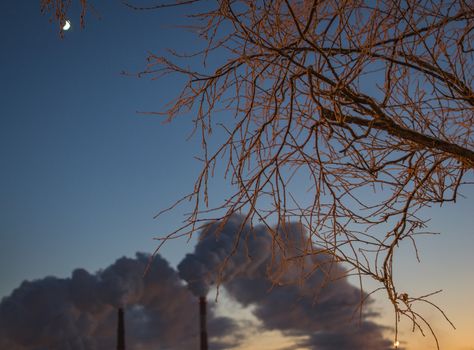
[203, 322]
[120, 331]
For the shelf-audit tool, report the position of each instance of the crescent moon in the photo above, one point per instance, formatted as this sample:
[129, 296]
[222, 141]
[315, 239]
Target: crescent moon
[66, 25]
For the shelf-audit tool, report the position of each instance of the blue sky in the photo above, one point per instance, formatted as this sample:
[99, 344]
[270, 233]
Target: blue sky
[82, 173]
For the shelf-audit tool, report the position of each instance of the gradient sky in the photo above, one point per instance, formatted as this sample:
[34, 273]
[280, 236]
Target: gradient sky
[82, 173]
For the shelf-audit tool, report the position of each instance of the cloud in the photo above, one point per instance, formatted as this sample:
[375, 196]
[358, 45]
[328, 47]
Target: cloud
[80, 312]
[322, 307]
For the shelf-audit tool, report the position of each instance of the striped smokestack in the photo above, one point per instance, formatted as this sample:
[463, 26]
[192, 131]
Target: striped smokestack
[120, 331]
[203, 322]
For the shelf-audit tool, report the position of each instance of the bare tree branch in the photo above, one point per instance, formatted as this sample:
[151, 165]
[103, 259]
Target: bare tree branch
[343, 98]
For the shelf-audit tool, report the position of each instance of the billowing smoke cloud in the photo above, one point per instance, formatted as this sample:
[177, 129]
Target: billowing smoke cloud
[80, 313]
[321, 307]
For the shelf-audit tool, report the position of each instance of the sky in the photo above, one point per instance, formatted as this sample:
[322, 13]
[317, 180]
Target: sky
[83, 172]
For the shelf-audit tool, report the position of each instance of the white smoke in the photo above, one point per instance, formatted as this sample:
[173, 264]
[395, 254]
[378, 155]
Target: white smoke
[259, 272]
[80, 313]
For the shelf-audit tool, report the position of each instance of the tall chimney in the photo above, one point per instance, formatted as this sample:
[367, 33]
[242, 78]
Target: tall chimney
[202, 318]
[120, 331]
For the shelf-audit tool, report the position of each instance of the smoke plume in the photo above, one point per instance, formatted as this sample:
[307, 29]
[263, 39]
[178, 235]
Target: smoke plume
[80, 312]
[320, 307]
